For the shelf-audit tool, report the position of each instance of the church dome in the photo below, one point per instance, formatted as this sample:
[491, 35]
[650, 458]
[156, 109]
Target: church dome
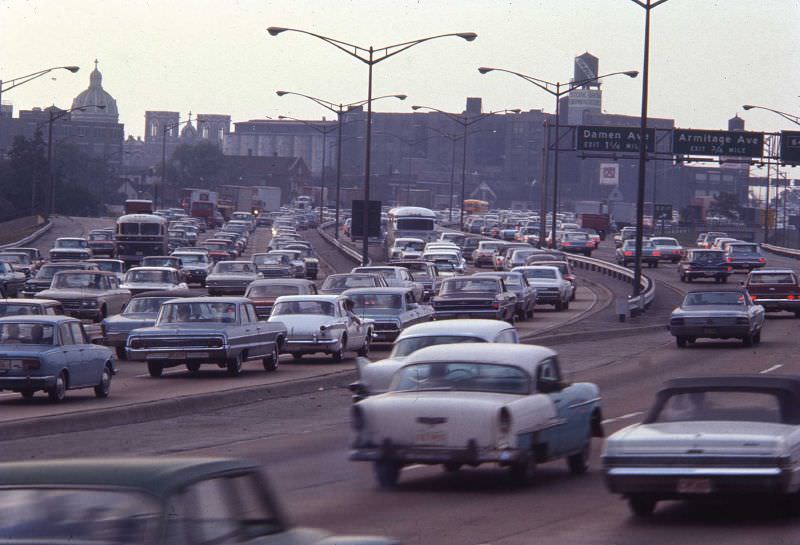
[95, 96]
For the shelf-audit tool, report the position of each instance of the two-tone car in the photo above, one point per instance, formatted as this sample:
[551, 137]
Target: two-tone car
[551, 286]
[309, 257]
[710, 437]
[702, 263]
[517, 283]
[744, 255]
[70, 249]
[44, 276]
[717, 314]
[19, 261]
[53, 354]
[390, 309]
[87, 294]
[669, 248]
[626, 254]
[322, 324]
[775, 289]
[477, 403]
[575, 242]
[142, 279]
[195, 331]
[231, 277]
[265, 291]
[475, 297]
[102, 243]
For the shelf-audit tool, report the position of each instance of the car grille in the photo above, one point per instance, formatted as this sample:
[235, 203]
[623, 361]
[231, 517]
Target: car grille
[274, 272]
[461, 304]
[71, 303]
[144, 343]
[263, 311]
[386, 326]
[66, 256]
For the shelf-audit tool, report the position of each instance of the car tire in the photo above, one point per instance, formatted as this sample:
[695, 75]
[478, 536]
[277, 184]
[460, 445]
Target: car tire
[747, 340]
[655, 264]
[559, 306]
[364, 350]
[193, 367]
[337, 355]
[724, 279]
[234, 366]
[521, 315]
[387, 473]
[271, 362]
[101, 315]
[574, 292]
[27, 394]
[59, 390]
[154, 369]
[530, 314]
[642, 506]
[103, 387]
[566, 305]
[688, 279]
[680, 340]
[578, 463]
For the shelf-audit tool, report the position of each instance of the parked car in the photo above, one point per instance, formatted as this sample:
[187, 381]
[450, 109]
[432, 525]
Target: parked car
[475, 297]
[390, 309]
[51, 353]
[116, 266]
[670, 249]
[322, 323]
[626, 253]
[717, 315]
[698, 263]
[87, 294]
[263, 292]
[70, 248]
[11, 281]
[44, 276]
[551, 286]
[744, 255]
[153, 501]
[195, 266]
[375, 377]
[519, 286]
[141, 279]
[710, 437]
[396, 277]
[775, 289]
[102, 243]
[231, 277]
[30, 307]
[338, 283]
[470, 404]
[221, 331]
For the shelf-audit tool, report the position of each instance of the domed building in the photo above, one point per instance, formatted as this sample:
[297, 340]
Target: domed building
[92, 98]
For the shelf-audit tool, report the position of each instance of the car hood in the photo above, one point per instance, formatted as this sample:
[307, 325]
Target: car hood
[131, 320]
[377, 314]
[705, 437]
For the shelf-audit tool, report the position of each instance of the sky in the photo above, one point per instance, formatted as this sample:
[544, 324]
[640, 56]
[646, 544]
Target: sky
[707, 58]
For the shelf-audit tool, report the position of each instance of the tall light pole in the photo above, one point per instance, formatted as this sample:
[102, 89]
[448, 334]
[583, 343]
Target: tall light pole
[370, 56]
[555, 89]
[339, 109]
[465, 121]
[648, 6]
[164, 130]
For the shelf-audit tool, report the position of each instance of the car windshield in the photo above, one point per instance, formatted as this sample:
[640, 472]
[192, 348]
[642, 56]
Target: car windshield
[91, 515]
[664, 242]
[234, 267]
[145, 305]
[272, 290]
[407, 346]
[364, 302]
[108, 266]
[185, 312]
[47, 273]
[23, 333]
[772, 278]
[215, 245]
[148, 277]
[83, 281]
[71, 243]
[324, 308]
[540, 273]
[720, 405]
[343, 282]
[99, 236]
[747, 249]
[470, 377]
[411, 245]
[576, 237]
[714, 298]
[444, 266]
[160, 262]
[470, 285]
[17, 309]
[192, 259]
[268, 259]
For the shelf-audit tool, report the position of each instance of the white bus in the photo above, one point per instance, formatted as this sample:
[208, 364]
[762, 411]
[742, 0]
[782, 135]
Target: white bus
[411, 222]
[140, 235]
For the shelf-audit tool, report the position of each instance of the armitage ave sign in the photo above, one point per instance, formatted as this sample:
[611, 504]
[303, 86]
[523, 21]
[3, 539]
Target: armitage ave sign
[728, 143]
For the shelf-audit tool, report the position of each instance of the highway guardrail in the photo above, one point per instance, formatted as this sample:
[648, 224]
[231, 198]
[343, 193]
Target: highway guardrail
[344, 248]
[780, 250]
[30, 238]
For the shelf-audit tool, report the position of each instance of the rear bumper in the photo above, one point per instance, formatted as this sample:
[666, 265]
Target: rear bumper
[172, 358]
[437, 455]
[716, 273]
[27, 383]
[309, 346]
[776, 305]
[710, 331]
[467, 313]
[668, 482]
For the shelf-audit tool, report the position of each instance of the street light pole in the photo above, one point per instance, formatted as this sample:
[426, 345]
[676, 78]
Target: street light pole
[367, 56]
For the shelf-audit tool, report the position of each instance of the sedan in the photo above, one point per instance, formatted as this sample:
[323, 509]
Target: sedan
[670, 249]
[391, 310]
[518, 284]
[627, 253]
[551, 286]
[231, 277]
[717, 315]
[141, 279]
[475, 297]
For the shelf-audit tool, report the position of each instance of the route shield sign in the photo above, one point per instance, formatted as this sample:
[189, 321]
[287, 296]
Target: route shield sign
[790, 147]
[597, 138]
[662, 211]
[729, 143]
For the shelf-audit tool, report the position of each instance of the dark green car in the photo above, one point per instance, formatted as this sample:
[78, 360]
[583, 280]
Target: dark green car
[147, 501]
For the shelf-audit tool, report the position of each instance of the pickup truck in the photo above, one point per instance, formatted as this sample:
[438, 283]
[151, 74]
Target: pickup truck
[775, 289]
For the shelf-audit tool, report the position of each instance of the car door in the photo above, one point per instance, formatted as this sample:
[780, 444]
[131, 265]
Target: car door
[93, 357]
[254, 332]
[73, 357]
[354, 327]
[548, 382]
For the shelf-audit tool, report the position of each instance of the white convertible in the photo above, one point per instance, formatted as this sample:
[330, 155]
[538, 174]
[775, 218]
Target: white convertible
[457, 404]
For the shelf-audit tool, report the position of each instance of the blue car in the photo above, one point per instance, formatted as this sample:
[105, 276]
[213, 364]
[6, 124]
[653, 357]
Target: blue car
[53, 354]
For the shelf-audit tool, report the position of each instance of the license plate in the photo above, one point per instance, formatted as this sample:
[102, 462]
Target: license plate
[431, 437]
[710, 330]
[694, 486]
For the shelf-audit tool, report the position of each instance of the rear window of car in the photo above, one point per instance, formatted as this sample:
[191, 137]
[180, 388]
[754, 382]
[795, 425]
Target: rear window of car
[707, 257]
[457, 376]
[743, 249]
[729, 406]
[772, 278]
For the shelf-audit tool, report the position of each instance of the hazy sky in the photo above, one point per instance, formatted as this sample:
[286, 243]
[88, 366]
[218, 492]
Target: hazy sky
[708, 57]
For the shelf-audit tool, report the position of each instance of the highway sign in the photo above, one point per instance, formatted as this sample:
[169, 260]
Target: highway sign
[730, 143]
[662, 211]
[374, 219]
[790, 147]
[596, 138]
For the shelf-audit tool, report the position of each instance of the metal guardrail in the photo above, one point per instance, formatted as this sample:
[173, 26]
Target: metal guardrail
[344, 248]
[780, 250]
[30, 238]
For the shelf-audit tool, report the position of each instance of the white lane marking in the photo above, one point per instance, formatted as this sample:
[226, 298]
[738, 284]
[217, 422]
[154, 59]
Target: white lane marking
[771, 369]
[414, 466]
[623, 417]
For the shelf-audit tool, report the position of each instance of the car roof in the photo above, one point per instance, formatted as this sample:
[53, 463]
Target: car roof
[467, 327]
[520, 355]
[41, 319]
[281, 282]
[85, 271]
[309, 297]
[788, 383]
[769, 271]
[149, 268]
[172, 294]
[735, 289]
[158, 476]
[209, 299]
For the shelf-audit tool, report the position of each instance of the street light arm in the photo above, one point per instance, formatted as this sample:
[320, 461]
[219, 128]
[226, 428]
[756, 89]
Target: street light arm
[463, 120]
[362, 102]
[575, 84]
[646, 6]
[16, 82]
[542, 84]
[324, 103]
[356, 52]
[789, 117]
[323, 130]
[392, 50]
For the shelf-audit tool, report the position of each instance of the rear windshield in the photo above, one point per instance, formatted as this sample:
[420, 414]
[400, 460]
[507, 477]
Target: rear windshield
[404, 347]
[707, 257]
[772, 278]
[736, 249]
[729, 406]
[714, 298]
[274, 290]
[472, 285]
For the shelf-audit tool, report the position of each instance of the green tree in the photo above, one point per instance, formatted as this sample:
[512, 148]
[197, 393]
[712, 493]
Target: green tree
[726, 205]
[23, 177]
[196, 165]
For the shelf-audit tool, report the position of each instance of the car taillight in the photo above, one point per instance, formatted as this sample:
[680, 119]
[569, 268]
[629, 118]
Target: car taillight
[728, 259]
[566, 244]
[30, 364]
[656, 253]
[790, 297]
[629, 253]
[504, 421]
[729, 269]
[761, 260]
[495, 305]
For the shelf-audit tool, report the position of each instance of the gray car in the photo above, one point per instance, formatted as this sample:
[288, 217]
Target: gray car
[392, 310]
[717, 315]
[231, 277]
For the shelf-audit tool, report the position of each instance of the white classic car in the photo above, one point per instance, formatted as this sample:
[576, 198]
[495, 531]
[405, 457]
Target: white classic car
[551, 286]
[375, 377]
[457, 404]
[321, 323]
[710, 436]
[141, 279]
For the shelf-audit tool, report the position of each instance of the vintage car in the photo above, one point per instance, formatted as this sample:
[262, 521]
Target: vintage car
[116, 266]
[102, 243]
[576, 242]
[70, 249]
[744, 255]
[706, 437]
[273, 265]
[717, 315]
[309, 257]
[141, 279]
[391, 309]
[518, 257]
[87, 294]
[219, 250]
[263, 292]
[295, 260]
[775, 290]
[485, 252]
[231, 277]
[519, 286]
[704, 264]
[475, 297]
[670, 249]
[321, 323]
[626, 254]
[51, 353]
[406, 248]
[33, 253]
[502, 254]
[11, 281]
[375, 377]
[149, 501]
[195, 331]
[551, 286]
[457, 404]
[423, 272]
[396, 277]
[335, 284]
[448, 261]
[19, 261]
[171, 261]
[44, 276]
[195, 265]
[566, 272]
[30, 307]
[142, 311]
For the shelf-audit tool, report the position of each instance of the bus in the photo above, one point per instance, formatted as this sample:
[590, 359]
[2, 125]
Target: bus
[410, 222]
[475, 206]
[140, 235]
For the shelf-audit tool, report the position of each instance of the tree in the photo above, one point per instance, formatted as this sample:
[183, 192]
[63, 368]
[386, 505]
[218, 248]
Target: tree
[23, 178]
[197, 165]
[726, 205]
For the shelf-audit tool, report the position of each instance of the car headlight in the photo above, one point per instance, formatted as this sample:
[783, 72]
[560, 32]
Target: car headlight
[89, 303]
